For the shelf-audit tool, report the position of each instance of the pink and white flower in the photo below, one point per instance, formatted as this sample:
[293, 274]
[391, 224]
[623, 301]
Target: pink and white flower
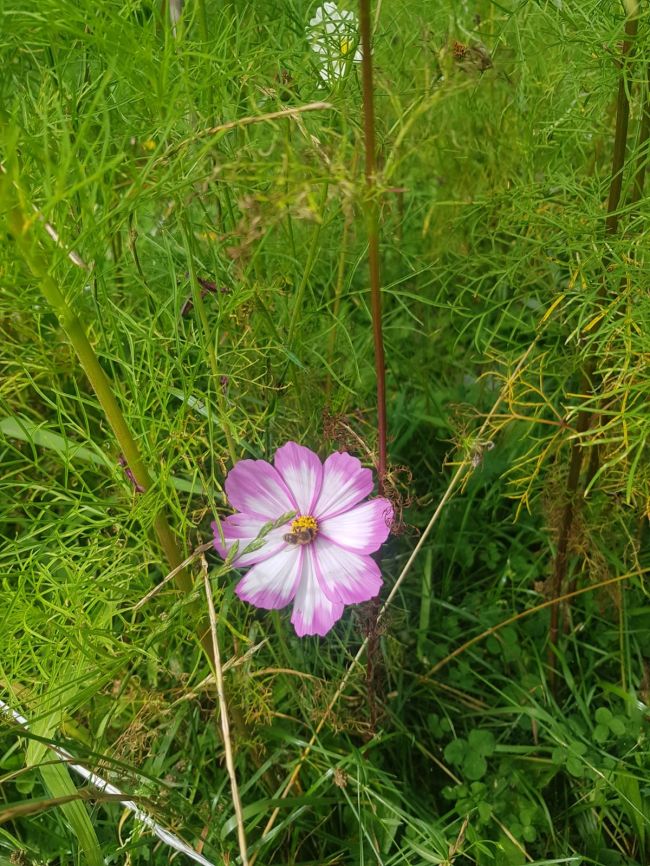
[333, 34]
[319, 559]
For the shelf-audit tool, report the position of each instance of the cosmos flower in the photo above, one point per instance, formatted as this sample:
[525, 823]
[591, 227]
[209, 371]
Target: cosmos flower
[334, 35]
[317, 559]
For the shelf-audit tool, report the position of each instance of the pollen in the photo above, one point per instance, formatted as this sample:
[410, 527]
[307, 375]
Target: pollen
[305, 522]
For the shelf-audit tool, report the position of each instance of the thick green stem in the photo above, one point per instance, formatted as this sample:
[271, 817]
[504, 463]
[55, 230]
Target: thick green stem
[102, 387]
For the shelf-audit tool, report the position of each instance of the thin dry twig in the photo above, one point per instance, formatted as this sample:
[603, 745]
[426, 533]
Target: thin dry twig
[464, 467]
[108, 790]
[223, 712]
[247, 121]
[199, 551]
[531, 610]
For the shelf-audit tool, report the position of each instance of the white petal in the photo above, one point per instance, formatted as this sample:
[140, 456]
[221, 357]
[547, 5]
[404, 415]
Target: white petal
[362, 529]
[344, 576]
[255, 487]
[345, 483]
[313, 612]
[318, 17]
[302, 472]
[272, 583]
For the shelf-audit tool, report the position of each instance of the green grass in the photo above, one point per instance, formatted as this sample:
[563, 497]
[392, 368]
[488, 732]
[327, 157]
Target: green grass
[492, 189]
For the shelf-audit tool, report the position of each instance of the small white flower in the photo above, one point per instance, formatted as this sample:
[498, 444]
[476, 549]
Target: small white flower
[334, 35]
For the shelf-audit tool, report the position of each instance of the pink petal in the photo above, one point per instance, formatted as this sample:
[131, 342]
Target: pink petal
[362, 529]
[345, 483]
[255, 487]
[272, 583]
[313, 612]
[302, 472]
[245, 528]
[344, 576]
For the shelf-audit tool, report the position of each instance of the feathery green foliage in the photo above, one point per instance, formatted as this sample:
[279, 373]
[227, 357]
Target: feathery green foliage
[219, 273]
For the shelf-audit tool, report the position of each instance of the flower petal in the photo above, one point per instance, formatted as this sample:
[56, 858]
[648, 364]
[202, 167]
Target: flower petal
[362, 529]
[302, 472]
[272, 583]
[313, 612]
[345, 483]
[255, 487]
[245, 528]
[344, 576]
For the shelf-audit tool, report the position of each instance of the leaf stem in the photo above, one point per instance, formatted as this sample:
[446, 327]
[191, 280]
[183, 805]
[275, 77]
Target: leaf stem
[223, 713]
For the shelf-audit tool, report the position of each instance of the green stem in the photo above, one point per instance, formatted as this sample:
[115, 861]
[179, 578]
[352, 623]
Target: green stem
[102, 388]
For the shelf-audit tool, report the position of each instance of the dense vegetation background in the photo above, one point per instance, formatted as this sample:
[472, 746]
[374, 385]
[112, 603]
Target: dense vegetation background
[220, 274]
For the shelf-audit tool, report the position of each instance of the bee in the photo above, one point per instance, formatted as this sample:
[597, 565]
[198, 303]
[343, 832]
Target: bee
[304, 535]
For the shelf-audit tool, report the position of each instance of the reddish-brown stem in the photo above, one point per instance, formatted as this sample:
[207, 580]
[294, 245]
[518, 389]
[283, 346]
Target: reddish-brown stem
[372, 215]
[620, 136]
[560, 566]
[643, 148]
[372, 218]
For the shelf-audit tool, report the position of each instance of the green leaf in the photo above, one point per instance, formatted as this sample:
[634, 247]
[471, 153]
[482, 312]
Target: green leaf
[575, 766]
[482, 742]
[558, 756]
[603, 715]
[485, 810]
[455, 751]
[58, 782]
[617, 726]
[601, 733]
[16, 427]
[474, 766]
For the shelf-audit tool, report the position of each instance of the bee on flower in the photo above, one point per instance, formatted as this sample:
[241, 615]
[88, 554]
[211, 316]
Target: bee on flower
[333, 34]
[320, 558]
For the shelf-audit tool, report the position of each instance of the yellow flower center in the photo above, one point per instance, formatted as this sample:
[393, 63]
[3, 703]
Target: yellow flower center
[305, 522]
[303, 530]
